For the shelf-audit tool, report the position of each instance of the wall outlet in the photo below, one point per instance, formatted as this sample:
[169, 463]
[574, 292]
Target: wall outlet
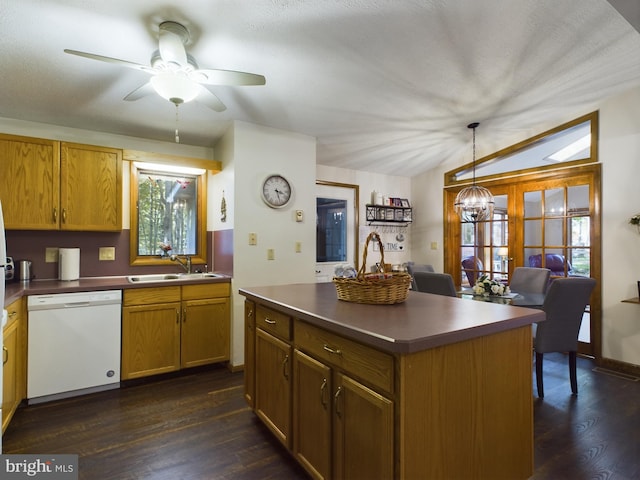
[298, 247]
[107, 253]
[51, 255]
[253, 239]
[434, 245]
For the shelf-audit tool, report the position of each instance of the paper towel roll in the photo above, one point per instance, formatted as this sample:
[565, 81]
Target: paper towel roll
[69, 263]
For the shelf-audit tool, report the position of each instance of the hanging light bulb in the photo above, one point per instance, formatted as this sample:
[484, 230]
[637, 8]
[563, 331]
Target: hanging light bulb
[474, 203]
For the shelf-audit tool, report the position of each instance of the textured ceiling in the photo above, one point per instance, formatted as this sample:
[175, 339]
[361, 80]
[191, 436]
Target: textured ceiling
[385, 85]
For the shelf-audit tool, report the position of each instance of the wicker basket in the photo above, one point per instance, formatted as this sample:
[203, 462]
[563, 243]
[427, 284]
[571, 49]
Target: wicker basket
[384, 288]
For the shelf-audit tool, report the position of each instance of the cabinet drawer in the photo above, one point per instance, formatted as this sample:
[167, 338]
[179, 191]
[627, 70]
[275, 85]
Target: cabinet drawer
[205, 290]
[150, 296]
[273, 322]
[14, 312]
[366, 363]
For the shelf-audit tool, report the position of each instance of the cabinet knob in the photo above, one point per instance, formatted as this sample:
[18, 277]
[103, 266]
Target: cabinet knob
[5, 355]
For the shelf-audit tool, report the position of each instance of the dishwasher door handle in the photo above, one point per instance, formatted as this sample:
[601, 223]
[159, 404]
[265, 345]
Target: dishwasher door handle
[77, 304]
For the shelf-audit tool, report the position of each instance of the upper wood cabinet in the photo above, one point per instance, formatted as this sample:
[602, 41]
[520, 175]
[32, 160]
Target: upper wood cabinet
[90, 188]
[51, 185]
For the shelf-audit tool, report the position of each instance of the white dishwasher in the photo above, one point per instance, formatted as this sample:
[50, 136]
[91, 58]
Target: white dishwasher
[73, 344]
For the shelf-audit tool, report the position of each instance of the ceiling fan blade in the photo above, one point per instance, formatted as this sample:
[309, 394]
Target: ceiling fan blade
[124, 63]
[171, 42]
[210, 100]
[226, 77]
[138, 93]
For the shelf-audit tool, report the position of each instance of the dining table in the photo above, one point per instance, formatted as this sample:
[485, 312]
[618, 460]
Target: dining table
[517, 299]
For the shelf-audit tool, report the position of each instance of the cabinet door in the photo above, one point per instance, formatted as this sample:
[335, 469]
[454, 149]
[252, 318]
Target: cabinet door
[150, 339]
[250, 352]
[205, 331]
[273, 385]
[363, 431]
[9, 373]
[91, 188]
[29, 183]
[312, 415]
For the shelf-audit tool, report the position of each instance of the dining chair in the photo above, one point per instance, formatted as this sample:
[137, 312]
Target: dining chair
[416, 267]
[564, 304]
[530, 280]
[438, 283]
[472, 267]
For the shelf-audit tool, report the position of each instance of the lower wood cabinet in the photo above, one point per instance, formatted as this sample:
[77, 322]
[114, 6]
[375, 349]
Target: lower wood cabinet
[250, 352]
[168, 328]
[311, 393]
[14, 357]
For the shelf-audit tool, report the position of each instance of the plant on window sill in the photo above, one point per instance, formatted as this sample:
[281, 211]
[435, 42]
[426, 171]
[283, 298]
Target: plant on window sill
[635, 220]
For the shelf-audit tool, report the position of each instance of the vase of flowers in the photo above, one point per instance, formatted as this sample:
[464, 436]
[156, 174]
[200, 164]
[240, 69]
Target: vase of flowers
[486, 286]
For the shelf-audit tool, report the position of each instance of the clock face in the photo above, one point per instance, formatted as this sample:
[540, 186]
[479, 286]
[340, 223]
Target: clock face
[276, 191]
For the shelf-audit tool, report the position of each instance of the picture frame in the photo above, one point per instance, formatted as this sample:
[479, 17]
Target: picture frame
[405, 203]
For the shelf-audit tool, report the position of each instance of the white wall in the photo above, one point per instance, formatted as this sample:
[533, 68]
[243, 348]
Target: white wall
[392, 186]
[255, 152]
[619, 150]
[619, 153]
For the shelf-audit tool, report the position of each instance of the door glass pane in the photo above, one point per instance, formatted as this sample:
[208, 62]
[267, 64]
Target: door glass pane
[553, 231]
[554, 202]
[532, 204]
[578, 199]
[532, 232]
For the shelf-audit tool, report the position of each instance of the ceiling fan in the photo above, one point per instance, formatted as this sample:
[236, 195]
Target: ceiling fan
[175, 75]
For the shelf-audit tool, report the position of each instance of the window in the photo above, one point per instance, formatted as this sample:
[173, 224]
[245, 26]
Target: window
[167, 211]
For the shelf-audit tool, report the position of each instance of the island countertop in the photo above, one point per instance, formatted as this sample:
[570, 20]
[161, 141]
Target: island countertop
[423, 321]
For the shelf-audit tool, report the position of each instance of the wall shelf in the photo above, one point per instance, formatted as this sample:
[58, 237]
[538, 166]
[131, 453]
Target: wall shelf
[386, 214]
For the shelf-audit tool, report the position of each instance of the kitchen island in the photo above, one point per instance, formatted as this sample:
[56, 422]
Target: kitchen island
[435, 387]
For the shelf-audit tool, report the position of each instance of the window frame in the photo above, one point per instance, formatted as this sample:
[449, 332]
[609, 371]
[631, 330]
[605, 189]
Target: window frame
[200, 257]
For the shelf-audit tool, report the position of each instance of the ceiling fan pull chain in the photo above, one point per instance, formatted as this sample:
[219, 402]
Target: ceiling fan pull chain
[177, 133]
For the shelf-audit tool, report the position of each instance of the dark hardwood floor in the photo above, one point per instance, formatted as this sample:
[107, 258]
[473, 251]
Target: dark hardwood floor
[196, 426]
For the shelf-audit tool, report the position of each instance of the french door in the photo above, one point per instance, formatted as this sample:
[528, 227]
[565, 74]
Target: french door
[550, 220]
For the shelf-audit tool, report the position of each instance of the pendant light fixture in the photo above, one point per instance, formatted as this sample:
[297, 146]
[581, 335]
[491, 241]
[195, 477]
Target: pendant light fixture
[474, 203]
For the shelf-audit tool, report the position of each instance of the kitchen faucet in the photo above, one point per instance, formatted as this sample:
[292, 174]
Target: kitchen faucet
[186, 265]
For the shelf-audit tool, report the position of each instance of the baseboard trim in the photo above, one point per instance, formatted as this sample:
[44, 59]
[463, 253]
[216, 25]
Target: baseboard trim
[621, 367]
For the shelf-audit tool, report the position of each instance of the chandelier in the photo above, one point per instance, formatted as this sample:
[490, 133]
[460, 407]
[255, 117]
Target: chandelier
[474, 203]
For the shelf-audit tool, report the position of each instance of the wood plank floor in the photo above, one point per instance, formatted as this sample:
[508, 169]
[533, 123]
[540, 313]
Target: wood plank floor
[196, 426]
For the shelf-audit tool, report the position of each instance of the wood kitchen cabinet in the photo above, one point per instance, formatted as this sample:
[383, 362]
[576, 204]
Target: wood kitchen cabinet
[14, 378]
[273, 372]
[168, 328]
[342, 427]
[326, 398]
[150, 331]
[205, 332]
[250, 352]
[52, 185]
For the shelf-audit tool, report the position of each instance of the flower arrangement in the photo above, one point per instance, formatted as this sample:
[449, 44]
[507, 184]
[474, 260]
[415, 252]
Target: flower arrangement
[165, 247]
[635, 220]
[485, 286]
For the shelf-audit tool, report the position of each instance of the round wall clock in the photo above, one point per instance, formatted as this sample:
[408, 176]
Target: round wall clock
[276, 191]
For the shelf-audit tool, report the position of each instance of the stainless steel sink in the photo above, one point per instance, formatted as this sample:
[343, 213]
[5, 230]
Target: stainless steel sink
[170, 277]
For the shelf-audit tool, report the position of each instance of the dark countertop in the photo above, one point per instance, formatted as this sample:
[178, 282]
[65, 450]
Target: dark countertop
[423, 321]
[16, 290]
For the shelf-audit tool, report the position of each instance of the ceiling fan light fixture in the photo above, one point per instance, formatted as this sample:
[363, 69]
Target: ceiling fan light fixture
[474, 203]
[176, 88]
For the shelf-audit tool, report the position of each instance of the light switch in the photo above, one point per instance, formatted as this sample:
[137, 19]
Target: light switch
[271, 254]
[51, 255]
[434, 245]
[253, 239]
[299, 215]
[298, 247]
[107, 253]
